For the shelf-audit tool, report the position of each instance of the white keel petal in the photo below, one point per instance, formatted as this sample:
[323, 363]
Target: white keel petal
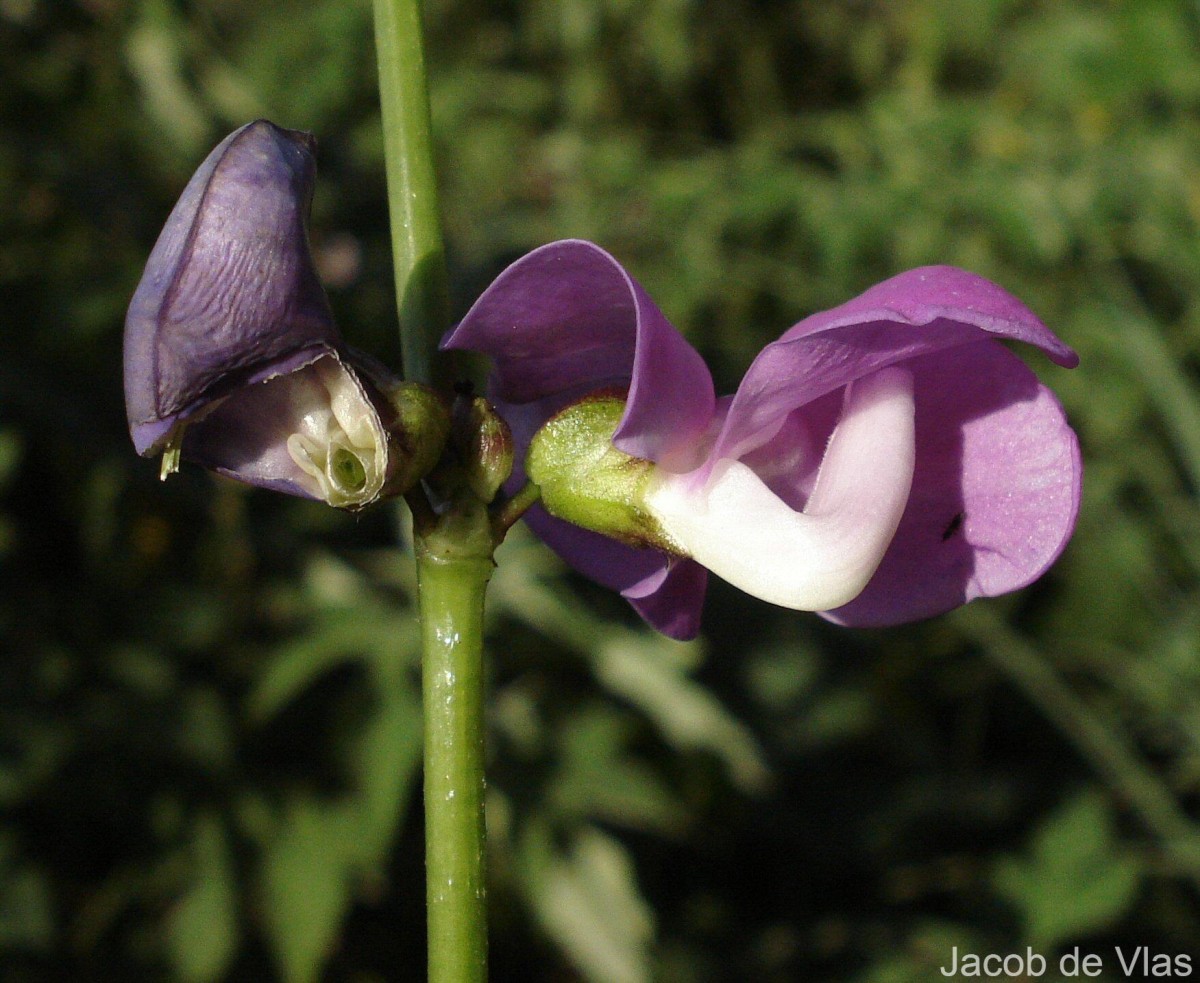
[823, 557]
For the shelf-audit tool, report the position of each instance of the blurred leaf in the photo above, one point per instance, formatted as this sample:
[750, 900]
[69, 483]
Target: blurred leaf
[648, 670]
[587, 898]
[1077, 878]
[599, 779]
[202, 928]
[26, 909]
[688, 715]
[353, 635]
[205, 730]
[780, 676]
[154, 57]
[1140, 345]
[386, 763]
[323, 850]
[10, 455]
[308, 881]
[925, 953]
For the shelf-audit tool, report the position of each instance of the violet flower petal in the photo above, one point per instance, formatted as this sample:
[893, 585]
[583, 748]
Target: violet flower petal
[232, 358]
[912, 314]
[1015, 478]
[246, 435]
[672, 598]
[565, 320]
[668, 592]
[930, 293]
[995, 493]
[229, 295]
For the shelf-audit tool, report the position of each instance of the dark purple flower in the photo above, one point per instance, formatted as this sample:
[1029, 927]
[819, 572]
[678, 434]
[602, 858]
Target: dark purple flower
[884, 461]
[232, 358]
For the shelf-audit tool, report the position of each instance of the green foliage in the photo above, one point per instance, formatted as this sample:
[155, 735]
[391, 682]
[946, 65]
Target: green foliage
[588, 900]
[208, 697]
[1078, 878]
[202, 930]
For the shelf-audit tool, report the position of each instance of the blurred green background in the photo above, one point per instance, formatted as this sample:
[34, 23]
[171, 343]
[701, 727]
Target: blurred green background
[209, 760]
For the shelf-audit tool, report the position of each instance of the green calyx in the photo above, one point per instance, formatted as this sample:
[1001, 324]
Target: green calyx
[587, 481]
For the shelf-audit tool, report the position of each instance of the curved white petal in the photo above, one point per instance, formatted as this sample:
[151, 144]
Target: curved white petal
[820, 558]
[338, 442]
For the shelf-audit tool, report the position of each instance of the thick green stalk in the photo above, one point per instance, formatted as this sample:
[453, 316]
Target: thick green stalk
[454, 563]
[454, 548]
[422, 295]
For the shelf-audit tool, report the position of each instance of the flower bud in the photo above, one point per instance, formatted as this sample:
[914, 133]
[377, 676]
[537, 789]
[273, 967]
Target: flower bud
[484, 443]
[422, 427]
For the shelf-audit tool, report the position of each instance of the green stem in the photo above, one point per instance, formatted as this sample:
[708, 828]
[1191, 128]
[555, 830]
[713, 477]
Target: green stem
[506, 513]
[453, 566]
[422, 294]
[454, 548]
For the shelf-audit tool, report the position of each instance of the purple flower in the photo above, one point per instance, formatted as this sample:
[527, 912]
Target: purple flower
[232, 358]
[881, 462]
